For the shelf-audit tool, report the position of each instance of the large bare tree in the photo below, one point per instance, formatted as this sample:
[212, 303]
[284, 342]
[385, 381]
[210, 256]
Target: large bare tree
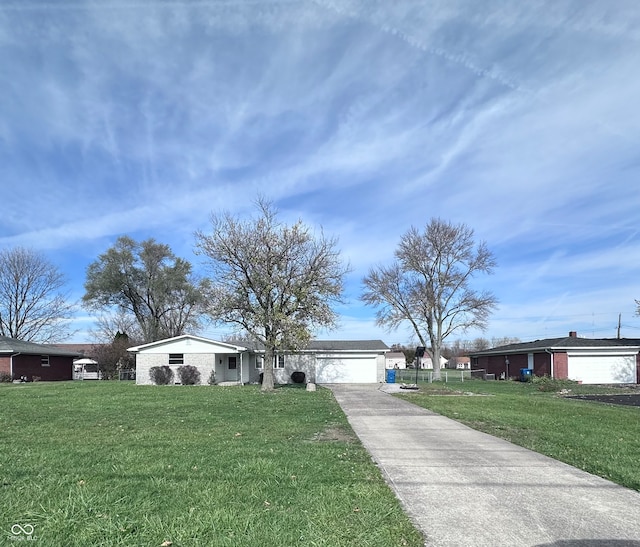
[429, 285]
[150, 283]
[276, 282]
[34, 306]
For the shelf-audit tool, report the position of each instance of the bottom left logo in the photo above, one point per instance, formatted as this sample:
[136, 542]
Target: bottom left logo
[23, 531]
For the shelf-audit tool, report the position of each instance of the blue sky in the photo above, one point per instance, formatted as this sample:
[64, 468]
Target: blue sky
[520, 119]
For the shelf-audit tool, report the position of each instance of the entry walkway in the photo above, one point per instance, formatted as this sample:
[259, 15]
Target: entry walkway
[466, 488]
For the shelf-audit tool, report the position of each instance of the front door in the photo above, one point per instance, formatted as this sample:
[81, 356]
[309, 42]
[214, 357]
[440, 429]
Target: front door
[232, 368]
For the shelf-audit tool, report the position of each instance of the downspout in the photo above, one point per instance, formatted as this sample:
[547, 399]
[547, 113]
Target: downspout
[241, 354]
[547, 350]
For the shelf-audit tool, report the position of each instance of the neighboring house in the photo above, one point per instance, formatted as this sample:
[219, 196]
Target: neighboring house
[35, 361]
[323, 361]
[427, 361]
[586, 360]
[459, 363]
[395, 360]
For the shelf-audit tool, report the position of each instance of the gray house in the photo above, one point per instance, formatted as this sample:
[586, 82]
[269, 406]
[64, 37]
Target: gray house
[322, 361]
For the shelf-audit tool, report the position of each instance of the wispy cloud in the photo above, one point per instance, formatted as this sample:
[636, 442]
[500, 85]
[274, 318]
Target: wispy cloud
[362, 117]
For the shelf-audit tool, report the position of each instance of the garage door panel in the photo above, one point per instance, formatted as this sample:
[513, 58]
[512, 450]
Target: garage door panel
[340, 370]
[606, 369]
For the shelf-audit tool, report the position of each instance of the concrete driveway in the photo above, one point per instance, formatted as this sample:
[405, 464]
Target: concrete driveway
[466, 488]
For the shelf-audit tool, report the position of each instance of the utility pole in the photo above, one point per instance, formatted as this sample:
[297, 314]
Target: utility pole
[619, 321]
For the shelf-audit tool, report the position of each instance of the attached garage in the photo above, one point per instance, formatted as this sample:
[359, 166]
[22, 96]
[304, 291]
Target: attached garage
[336, 369]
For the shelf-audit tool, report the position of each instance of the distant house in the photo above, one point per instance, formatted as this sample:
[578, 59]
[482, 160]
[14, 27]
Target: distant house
[587, 360]
[427, 361]
[459, 363]
[395, 360]
[322, 361]
[35, 361]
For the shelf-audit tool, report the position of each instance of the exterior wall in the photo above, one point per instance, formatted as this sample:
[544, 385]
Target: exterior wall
[60, 367]
[381, 361]
[302, 362]
[203, 362]
[638, 368]
[560, 366]
[542, 364]
[246, 365]
[5, 364]
[496, 364]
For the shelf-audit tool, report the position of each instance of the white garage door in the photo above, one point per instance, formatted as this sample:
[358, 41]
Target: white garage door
[608, 369]
[346, 370]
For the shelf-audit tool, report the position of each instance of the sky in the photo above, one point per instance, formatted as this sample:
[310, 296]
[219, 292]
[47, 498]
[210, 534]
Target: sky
[360, 117]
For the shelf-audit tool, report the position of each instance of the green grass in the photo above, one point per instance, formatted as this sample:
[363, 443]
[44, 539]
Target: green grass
[599, 438]
[108, 463]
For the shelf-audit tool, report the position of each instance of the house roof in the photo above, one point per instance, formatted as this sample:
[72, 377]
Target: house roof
[331, 345]
[347, 345]
[11, 346]
[559, 344]
[83, 349]
[314, 345]
[184, 337]
[395, 355]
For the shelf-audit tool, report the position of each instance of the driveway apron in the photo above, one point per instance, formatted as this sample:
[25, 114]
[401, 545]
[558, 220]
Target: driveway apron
[463, 487]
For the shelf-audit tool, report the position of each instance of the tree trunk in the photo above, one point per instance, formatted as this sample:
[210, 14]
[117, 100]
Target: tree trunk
[267, 373]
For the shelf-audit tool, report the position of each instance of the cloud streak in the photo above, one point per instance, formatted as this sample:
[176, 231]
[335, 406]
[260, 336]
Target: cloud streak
[362, 117]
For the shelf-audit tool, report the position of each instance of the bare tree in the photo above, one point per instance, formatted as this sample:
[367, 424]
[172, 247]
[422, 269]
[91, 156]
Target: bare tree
[429, 285]
[118, 321]
[113, 356]
[148, 282]
[33, 304]
[275, 282]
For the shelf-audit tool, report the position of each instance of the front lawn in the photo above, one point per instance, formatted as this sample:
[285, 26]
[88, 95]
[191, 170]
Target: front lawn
[108, 463]
[599, 438]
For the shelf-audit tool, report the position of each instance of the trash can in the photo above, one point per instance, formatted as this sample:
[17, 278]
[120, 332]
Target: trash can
[391, 376]
[525, 374]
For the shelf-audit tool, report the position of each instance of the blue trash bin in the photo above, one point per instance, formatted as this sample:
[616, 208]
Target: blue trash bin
[391, 376]
[526, 374]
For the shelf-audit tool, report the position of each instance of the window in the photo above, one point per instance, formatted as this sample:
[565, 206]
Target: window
[259, 362]
[233, 364]
[278, 361]
[176, 359]
[44, 360]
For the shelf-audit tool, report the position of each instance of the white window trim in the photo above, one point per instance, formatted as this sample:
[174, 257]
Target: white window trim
[278, 361]
[44, 361]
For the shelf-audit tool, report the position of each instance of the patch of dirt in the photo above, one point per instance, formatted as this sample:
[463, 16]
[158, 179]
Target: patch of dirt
[626, 400]
[334, 433]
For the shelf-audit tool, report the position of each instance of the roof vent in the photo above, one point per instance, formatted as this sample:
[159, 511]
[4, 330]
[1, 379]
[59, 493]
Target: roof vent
[573, 334]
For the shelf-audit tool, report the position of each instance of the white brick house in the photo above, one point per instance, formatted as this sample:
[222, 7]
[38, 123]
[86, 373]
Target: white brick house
[323, 361]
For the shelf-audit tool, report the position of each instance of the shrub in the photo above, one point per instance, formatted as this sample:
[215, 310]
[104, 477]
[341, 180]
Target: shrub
[5, 377]
[161, 376]
[298, 377]
[189, 375]
[546, 383]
